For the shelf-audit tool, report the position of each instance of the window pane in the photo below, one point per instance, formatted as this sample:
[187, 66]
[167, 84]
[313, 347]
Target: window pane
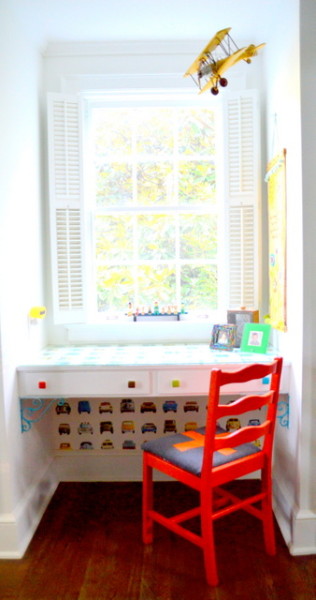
[157, 283]
[199, 287]
[114, 184]
[113, 132]
[114, 238]
[155, 183]
[196, 131]
[198, 236]
[114, 288]
[155, 131]
[156, 237]
[197, 182]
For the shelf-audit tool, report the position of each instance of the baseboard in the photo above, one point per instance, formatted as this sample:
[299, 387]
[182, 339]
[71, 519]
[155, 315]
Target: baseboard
[17, 528]
[304, 533]
[298, 527]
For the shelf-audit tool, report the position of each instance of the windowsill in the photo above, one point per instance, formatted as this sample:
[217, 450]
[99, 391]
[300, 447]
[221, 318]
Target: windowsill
[129, 332]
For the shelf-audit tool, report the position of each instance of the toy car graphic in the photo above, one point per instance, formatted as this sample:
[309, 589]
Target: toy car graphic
[129, 445]
[128, 426]
[191, 405]
[65, 446]
[170, 425]
[107, 445]
[254, 422]
[84, 406]
[127, 405]
[105, 407]
[86, 446]
[106, 426]
[63, 408]
[85, 428]
[170, 406]
[190, 426]
[232, 423]
[148, 407]
[64, 428]
[151, 427]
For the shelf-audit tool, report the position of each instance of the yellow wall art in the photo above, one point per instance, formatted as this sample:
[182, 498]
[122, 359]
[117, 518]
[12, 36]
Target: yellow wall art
[276, 179]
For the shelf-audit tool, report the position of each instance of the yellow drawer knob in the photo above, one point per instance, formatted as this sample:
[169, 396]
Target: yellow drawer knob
[175, 383]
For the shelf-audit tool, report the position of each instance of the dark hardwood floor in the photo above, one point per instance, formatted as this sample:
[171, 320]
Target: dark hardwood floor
[88, 547]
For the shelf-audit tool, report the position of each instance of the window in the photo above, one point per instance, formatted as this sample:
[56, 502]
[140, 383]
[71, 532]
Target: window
[146, 206]
[155, 207]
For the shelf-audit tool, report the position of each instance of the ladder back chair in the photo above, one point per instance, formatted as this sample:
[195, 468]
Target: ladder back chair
[207, 458]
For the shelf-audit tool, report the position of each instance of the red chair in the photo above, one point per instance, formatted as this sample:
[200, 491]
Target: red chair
[209, 457]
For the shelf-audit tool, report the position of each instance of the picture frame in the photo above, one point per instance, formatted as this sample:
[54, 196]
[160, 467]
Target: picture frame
[255, 337]
[239, 318]
[223, 337]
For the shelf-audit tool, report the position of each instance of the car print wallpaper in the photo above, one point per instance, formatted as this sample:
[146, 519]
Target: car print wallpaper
[121, 425]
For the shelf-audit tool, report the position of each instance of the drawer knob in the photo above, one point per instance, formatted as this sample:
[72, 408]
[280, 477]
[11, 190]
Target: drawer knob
[175, 383]
[131, 384]
[42, 385]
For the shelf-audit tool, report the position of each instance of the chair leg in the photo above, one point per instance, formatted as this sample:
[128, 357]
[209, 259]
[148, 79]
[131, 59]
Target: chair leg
[147, 501]
[208, 538]
[267, 514]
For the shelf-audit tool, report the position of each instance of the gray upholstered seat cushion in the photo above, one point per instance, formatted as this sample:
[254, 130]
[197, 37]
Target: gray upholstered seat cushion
[190, 458]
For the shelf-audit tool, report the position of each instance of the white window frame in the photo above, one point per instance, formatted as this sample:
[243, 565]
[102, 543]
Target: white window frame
[241, 190]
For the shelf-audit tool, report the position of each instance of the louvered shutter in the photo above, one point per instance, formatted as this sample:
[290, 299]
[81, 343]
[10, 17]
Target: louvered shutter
[66, 208]
[242, 193]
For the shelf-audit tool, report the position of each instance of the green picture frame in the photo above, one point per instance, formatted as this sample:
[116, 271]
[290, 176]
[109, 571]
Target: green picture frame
[255, 337]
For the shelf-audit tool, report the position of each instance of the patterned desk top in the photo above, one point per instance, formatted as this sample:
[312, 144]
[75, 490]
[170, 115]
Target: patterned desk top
[140, 355]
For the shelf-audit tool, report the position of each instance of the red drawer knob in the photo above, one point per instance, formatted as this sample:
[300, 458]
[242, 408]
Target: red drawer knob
[42, 385]
[131, 384]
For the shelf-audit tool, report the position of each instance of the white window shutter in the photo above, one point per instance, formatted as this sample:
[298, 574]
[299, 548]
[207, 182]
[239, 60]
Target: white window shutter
[66, 208]
[242, 192]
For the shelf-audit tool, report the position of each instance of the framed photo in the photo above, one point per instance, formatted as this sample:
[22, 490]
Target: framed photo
[255, 337]
[239, 318]
[223, 337]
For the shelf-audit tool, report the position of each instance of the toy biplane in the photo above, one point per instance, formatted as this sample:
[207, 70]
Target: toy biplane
[218, 56]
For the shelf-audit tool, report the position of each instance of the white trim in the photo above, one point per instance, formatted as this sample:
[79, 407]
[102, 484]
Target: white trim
[125, 48]
[298, 527]
[17, 528]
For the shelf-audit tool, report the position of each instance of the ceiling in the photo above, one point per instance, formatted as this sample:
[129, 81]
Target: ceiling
[252, 21]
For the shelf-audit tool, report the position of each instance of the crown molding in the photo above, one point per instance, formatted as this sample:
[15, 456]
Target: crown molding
[150, 47]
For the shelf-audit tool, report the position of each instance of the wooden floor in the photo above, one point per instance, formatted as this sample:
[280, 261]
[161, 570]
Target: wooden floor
[88, 547]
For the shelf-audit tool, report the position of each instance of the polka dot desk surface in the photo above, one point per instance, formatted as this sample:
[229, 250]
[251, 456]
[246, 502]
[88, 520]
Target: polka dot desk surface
[141, 355]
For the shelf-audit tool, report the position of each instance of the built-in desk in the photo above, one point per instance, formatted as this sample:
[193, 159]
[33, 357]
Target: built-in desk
[110, 398]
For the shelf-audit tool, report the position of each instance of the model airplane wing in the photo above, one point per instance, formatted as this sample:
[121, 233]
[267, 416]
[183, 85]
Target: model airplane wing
[221, 66]
[251, 51]
[213, 43]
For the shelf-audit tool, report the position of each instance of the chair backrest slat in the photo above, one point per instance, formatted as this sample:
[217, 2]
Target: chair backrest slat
[244, 404]
[241, 436]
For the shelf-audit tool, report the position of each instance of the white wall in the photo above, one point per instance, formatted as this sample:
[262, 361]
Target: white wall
[23, 459]
[308, 91]
[291, 125]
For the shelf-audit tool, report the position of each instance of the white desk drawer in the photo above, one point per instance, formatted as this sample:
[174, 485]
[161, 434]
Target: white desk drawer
[183, 382]
[84, 383]
[195, 382]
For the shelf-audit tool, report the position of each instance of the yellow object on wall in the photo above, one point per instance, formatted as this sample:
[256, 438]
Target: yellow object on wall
[37, 312]
[276, 178]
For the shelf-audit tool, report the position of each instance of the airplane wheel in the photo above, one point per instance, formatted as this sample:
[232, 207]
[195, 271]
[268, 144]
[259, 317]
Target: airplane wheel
[223, 82]
[214, 91]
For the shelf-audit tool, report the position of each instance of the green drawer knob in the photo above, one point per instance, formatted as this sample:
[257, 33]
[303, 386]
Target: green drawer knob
[175, 383]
